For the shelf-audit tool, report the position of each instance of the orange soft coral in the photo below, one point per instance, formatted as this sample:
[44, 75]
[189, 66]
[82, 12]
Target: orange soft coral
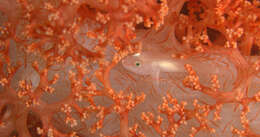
[61, 73]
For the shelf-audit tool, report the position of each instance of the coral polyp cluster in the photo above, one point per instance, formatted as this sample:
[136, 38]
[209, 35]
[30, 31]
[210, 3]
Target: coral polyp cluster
[61, 73]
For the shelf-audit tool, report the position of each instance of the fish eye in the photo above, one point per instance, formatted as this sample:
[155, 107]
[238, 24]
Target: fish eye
[137, 63]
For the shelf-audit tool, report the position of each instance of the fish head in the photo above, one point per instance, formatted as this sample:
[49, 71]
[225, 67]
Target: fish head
[137, 64]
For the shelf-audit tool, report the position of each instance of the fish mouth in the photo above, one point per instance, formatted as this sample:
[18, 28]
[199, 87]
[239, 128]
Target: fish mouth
[125, 62]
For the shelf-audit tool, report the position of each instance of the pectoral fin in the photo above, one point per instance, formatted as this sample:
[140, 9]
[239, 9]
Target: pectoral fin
[156, 78]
